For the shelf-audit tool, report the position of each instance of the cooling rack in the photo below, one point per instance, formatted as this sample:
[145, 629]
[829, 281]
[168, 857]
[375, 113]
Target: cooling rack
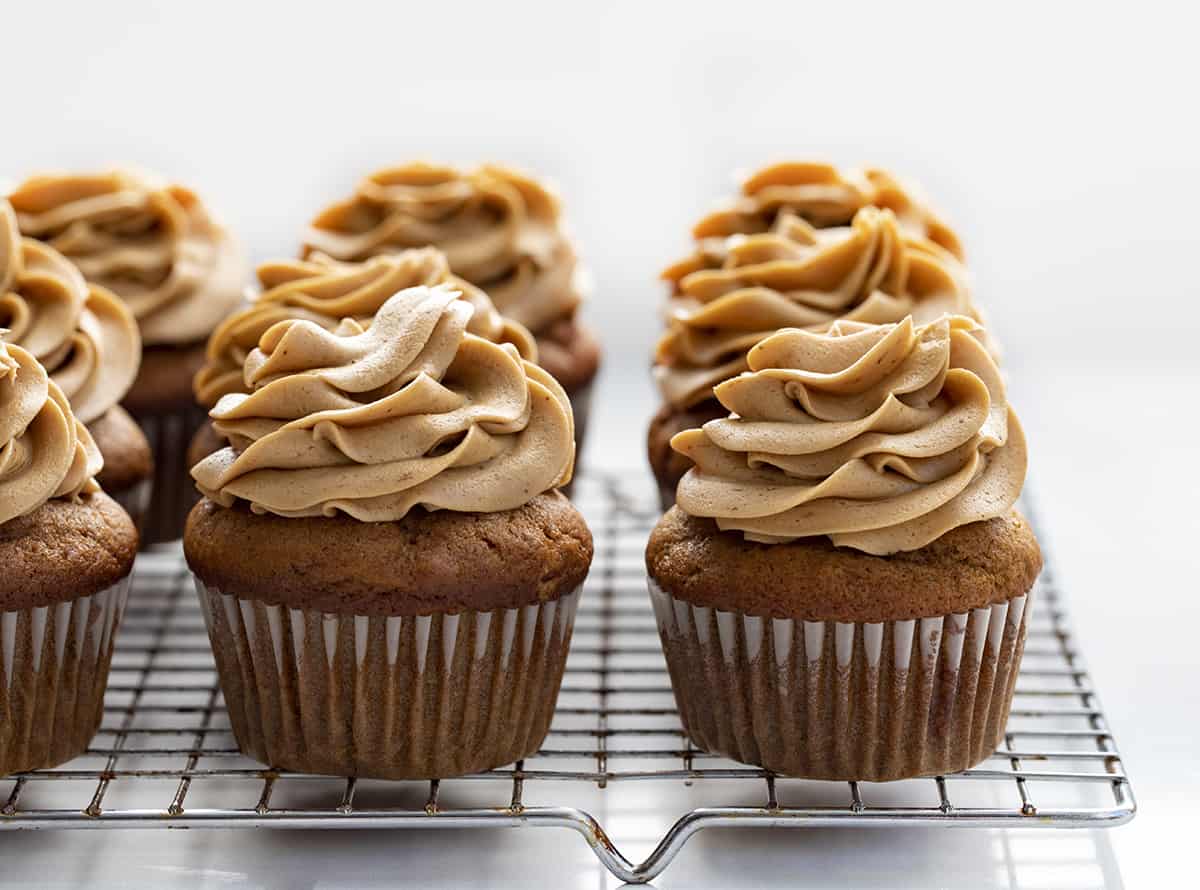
[165, 756]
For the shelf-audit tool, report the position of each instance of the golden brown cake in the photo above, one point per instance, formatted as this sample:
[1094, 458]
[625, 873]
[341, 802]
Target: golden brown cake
[843, 587]
[804, 245]
[66, 554]
[157, 248]
[388, 574]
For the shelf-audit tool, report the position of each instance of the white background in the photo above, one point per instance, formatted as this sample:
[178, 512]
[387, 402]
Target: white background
[1062, 141]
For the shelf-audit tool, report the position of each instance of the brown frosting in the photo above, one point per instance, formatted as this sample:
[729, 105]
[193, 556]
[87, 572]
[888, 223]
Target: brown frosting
[152, 244]
[500, 230]
[880, 437]
[44, 451]
[414, 410]
[83, 335]
[325, 291]
[804, 246]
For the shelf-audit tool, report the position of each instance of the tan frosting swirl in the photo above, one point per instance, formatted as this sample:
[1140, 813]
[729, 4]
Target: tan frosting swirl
[44, 451]
[415, 410]
[500, 230]
[804, 246]
[154, 245]
[325, 291]
[83, 335]
[881, 437]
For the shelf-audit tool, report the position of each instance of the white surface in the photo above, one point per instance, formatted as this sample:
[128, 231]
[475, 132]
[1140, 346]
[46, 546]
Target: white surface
[1062, 140]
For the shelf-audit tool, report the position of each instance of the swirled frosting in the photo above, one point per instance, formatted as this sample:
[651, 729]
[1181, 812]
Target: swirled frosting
[414, 410]
[45, 452]
[804, 246]
[500, 230]
[325, 291]
[881, 437]
[154, 245]
[81, 334]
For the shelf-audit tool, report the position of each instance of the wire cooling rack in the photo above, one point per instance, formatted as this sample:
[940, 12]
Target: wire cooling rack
[165, 755]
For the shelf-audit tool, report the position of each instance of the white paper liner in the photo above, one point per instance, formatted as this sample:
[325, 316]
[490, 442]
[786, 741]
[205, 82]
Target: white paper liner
[413, 697]
[54, 662]
[844, 701]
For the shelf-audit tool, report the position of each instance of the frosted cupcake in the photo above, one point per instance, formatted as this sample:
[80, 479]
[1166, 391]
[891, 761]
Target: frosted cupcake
[88, 341]
[388, 574]
[804, 246]
[500, 229]
[178, 270]
[66, 554]
[843, 587]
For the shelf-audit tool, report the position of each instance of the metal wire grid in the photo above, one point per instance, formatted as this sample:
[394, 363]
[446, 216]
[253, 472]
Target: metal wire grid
[165, 741]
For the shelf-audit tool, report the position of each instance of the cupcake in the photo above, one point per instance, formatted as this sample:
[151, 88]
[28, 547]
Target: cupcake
[500, 230]
[66, 554]
[804, 246]
[842, 588]
[388, 575]
[157, 248]
[325, 291]
[88, 341]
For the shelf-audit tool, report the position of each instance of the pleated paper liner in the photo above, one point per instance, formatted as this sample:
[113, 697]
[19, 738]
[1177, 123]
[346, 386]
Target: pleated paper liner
[55, 661]
[413, 697]
[174, 492]
[844, 701]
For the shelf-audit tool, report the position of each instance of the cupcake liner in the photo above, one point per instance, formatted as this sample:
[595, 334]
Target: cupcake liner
[412, 697]
[174, 492]
[135, 501]
[55, 662]
[844, 701]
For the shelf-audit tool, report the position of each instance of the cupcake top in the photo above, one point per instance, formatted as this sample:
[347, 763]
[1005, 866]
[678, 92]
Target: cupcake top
[804, 246]
[880, 437]
[152, 244]
[413, 411]
[83, 335]
[500, 230]
[45, 452]
[325, 291]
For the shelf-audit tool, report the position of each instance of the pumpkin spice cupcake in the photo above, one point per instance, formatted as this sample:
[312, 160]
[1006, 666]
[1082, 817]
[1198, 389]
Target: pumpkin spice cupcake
[842, 589]
[388, 574]
[88, 341]
[157, 248]
[66, 554]
[500, 230]
[804, 246]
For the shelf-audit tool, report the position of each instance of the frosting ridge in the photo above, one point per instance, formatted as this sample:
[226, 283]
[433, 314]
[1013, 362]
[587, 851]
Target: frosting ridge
[880, 437]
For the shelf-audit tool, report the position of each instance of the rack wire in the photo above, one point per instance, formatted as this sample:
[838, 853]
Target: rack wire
[165, 755]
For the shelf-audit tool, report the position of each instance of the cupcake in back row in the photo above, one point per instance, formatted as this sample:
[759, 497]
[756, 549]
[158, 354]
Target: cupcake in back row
[66, 554]
[88, 341]
[388, 574]
[500, 230]
[843, 587]
[156, 246]
[805, 245]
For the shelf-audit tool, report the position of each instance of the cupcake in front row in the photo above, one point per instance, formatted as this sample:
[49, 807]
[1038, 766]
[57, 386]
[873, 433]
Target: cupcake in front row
[88, 341]
[804, 246]
[66, 555]
[325, 291]
[388, 574]
[842, 589]
[156, 246]
[501, 230]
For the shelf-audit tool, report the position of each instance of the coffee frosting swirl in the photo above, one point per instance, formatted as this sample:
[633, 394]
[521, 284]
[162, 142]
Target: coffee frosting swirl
[82, 334]
[414, 410]
[500, 230]
[325, 291]
[45, 452]
[152, 244]
[804, 246]
[881, 437]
